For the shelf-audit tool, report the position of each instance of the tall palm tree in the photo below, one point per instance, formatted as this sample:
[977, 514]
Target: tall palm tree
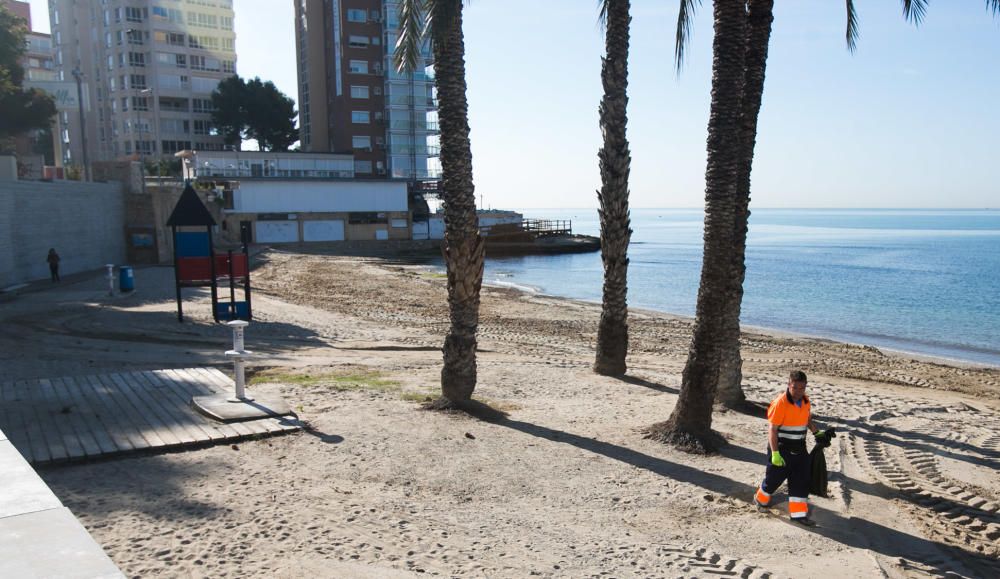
[612, 333]
[689, 426]
[760, 15]
[464, 250]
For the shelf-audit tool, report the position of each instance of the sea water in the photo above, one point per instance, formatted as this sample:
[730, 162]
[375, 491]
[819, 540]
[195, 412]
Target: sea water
[919, 281]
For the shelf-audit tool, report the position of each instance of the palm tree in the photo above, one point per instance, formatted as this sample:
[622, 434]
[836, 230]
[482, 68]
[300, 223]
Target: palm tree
[690, 425]
[729, 390]
[464, 253]
[612, 333]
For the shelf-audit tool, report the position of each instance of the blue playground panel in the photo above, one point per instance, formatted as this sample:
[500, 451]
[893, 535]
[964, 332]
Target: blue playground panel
[224, 310]
[191, 244]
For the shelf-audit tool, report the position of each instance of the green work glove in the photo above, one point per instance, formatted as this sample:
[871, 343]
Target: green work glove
[776, 459]
[820, 434]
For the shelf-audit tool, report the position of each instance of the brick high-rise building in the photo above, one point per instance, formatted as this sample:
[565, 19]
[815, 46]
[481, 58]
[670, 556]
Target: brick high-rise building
[149, 68]
[351, 99]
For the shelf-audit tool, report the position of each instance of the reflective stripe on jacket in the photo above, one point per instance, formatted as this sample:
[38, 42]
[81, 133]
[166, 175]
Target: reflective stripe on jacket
[792, 420]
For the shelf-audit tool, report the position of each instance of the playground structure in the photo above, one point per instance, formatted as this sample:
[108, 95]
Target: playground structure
[196, 263]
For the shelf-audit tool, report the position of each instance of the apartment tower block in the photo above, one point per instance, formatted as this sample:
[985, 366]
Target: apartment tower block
[148, 68]
[352, 100]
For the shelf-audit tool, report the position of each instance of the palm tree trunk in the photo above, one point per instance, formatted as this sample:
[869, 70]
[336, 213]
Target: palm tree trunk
[759, 19]
[690, 425]
[612, 333]
[464, 248]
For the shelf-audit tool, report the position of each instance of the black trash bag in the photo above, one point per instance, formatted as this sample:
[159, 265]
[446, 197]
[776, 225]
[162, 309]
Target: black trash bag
[817, 466]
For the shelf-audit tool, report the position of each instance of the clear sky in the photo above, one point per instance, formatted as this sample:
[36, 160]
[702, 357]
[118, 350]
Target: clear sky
[909, 120]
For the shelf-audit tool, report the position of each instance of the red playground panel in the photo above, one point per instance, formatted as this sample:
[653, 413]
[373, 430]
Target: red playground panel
[194, 270]
[239, 265]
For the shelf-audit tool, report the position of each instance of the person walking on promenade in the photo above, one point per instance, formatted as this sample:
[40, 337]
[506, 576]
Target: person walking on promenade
[789, 417]
[53, 260]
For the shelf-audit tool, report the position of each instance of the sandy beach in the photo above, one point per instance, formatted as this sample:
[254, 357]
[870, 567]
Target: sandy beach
[565, 486]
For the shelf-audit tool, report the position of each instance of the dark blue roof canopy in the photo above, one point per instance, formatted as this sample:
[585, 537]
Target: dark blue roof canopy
[190, 210]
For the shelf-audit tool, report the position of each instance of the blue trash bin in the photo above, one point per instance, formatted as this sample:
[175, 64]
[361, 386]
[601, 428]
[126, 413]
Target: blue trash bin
[126, 281]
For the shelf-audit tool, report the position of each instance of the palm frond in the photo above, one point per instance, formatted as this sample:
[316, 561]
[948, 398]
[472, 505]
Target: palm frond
[852, 27]
[602, 15]
[412, 24]
[685, 19]
[993, 6]
[914, 10]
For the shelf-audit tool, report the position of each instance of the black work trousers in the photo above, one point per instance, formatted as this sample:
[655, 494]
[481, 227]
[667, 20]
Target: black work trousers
[795, 471]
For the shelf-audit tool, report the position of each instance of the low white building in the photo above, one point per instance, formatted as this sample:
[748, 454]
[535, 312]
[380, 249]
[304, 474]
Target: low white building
[301, 197]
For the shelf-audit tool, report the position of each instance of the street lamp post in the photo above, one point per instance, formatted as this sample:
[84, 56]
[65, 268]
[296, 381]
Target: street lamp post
[83, 126]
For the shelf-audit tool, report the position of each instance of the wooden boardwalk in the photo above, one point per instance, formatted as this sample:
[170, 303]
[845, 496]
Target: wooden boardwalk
[72, 418]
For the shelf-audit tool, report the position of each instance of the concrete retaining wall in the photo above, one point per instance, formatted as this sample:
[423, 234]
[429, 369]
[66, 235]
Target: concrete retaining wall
[83, 221]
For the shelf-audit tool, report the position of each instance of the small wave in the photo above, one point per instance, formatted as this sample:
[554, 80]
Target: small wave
[515, 286]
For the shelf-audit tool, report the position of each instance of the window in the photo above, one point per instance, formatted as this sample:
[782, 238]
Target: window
[357, 41]
[160, 13]
[226, 22]
[134, 36]
[360, 117]
[140, 103]
[359, 92]
[202, 127]
[175, 126]
[137, 81]
[354, 15]
[376, 16]
[205, 85]
[133, 14]
[202, 105]
[229, 44]
[228, 66]
[363, 167]
[171, 59]
[361, 142]
[137, 59]
[358, 66]
[171, 38]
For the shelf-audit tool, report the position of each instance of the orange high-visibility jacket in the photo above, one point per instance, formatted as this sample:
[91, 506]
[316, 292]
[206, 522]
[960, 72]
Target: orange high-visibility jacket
[792, 421]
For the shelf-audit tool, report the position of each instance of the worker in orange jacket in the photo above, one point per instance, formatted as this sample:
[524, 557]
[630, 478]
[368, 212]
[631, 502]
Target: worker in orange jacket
[789, 417]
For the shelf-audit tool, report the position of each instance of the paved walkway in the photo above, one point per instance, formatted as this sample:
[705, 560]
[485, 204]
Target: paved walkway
[39, 537]
[71, 418]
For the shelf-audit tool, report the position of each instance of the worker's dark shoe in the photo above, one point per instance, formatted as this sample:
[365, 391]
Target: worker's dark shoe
[805, 521]
[760, 506]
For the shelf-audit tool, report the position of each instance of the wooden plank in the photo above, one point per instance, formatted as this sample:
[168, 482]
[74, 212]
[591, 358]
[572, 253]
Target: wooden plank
[13, 426]
[142, 405]
[62, 444]
[138, 419]
[77, 421]
[196, 385]
[161, 405]
[94, 415]
[121, 427]
[40, 451]
[176, 406]
[215, 431]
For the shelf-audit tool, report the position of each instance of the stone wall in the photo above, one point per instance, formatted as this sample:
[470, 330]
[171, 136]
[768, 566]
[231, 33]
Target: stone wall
[84, 222]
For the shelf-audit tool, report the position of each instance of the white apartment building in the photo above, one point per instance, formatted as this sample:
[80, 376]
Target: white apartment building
[147, 68]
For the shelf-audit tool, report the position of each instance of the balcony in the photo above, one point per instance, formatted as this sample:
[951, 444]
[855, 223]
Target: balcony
[234, 172]
[430, 127]
[422, 150]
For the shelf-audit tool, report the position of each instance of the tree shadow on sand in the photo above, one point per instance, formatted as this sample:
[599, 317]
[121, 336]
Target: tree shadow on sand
[855, 532]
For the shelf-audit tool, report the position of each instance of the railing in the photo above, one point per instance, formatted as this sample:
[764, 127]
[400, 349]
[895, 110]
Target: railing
[430, 126]
[529, 228]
